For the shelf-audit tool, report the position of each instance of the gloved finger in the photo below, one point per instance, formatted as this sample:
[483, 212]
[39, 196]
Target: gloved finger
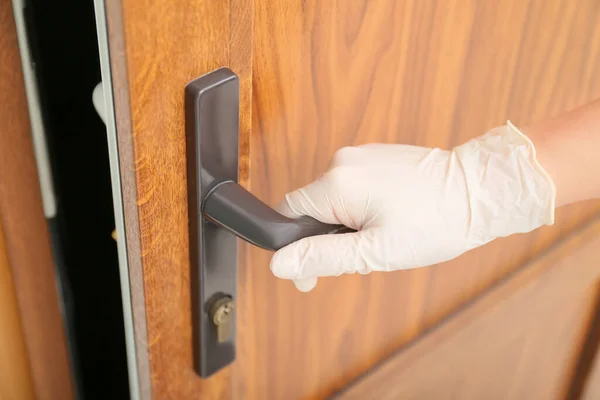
[285, 208]
[312, 200]
[315, 256]
[305, 285]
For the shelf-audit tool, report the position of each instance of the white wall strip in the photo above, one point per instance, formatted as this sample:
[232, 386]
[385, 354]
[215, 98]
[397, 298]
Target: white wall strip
[35, 114]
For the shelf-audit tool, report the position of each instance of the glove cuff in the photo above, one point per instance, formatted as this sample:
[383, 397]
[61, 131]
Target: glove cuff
[509, 191]
[551, 205]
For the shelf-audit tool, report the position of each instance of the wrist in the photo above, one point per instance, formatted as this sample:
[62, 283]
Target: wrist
[509, 191]
[567, 149]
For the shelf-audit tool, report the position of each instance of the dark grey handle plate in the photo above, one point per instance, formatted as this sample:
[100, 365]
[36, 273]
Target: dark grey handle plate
[211, 124]
[220, 209]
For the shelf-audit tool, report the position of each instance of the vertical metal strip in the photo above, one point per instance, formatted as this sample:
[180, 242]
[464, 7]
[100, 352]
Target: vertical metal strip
[113, 151]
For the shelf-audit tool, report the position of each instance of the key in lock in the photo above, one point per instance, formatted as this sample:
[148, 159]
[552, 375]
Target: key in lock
[221, 314]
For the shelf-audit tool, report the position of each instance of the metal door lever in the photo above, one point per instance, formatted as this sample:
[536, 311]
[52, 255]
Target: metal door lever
[231, 206]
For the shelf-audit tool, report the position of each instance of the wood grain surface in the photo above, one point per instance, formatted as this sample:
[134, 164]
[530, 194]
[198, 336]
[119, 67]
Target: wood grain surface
[168, 44]
[15, 373]
[25, 231]
[428, 73]
[321, 75]
[521, 340]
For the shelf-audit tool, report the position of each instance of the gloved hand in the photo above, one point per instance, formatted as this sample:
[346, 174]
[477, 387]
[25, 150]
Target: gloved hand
[415, 206]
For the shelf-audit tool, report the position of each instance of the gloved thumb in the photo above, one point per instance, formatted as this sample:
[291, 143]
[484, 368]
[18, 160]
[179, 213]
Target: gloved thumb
[325, 255]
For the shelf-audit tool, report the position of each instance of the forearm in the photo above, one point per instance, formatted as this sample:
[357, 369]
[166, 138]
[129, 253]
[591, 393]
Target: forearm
[568, 148]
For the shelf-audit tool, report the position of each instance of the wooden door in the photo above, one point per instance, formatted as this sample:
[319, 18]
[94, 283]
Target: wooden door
[528, 337]
[316, 76]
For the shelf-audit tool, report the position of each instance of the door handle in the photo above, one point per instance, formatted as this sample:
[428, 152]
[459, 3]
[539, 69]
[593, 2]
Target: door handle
[231, 206]
[220, 209]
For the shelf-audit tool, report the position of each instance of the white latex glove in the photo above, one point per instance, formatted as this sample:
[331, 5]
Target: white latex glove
[415, 206]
